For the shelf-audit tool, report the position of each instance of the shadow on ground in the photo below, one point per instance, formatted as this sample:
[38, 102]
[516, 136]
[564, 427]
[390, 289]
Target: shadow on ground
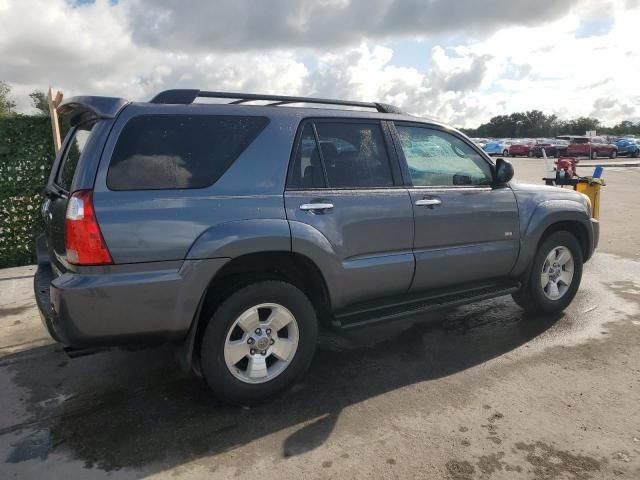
[137, 409]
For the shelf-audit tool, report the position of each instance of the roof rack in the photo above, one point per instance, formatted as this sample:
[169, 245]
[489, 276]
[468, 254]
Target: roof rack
[187, 96]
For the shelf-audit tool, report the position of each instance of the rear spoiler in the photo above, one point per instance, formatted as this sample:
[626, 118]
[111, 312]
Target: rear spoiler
[83, 109]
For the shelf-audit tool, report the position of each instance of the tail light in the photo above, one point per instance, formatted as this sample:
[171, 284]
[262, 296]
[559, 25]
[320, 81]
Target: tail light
[83, 240]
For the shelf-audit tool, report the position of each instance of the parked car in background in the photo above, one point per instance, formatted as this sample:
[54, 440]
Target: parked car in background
[628, 146]
[481, 142]
[521, 149]
[593, 147]
[497, 147]
[552, 147]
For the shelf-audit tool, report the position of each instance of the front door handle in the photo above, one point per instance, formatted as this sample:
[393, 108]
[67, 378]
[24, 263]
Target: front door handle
[428, 202]
[316, 206]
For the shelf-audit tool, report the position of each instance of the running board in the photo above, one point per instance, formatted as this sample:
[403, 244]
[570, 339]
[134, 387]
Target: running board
[367, 316]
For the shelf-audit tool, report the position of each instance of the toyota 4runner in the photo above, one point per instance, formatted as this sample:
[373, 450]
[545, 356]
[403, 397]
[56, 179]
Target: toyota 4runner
[235, 229]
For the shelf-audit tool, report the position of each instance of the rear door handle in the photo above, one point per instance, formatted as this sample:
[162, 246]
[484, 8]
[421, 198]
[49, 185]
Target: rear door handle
[316, 206]
[428, 202]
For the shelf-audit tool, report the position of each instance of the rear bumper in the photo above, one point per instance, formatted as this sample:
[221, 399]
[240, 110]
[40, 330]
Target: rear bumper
[113, 305]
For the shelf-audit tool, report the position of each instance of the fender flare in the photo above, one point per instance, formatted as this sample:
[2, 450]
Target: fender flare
[234, 239]
[544, 216]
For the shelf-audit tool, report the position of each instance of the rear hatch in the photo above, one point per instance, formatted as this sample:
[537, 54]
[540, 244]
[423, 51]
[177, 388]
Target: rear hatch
[74, 170]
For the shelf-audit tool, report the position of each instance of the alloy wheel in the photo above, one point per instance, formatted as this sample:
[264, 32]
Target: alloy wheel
[557, 273]
[261, 343]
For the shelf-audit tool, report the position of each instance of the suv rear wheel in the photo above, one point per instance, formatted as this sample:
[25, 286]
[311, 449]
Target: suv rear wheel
[259, 342]
[555, 275]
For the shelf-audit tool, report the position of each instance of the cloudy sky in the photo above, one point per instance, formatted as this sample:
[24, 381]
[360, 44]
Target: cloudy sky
[462, 61]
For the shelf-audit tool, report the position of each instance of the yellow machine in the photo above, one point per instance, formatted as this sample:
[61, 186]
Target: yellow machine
[591, 188]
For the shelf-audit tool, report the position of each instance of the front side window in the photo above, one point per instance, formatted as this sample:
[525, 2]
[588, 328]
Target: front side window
[179, 151]
[437, 158]
[76, 146]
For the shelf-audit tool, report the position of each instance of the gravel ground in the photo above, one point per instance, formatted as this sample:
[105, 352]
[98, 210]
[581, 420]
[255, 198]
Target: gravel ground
[482, 393]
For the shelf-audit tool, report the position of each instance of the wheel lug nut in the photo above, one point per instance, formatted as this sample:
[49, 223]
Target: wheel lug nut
[272, 341]
[253, 351]
[250, 340]
[258, 331]
[263, 352]
[268, 330]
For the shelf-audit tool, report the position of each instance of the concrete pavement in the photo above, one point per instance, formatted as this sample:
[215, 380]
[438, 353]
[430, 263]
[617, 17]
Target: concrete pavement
[482, 392]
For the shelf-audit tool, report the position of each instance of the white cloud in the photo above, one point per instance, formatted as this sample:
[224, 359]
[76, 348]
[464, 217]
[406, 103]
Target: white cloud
[124, 50]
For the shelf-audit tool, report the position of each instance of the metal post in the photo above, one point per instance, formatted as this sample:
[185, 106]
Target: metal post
[53, 113]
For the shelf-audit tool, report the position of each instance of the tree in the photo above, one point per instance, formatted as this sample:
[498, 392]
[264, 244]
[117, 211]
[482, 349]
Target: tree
[39, 102]
[535, 124]
[7, 105]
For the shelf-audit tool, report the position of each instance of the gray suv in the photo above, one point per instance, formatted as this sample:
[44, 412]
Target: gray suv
[236, 229]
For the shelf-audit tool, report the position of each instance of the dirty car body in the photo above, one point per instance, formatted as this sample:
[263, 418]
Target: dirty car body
[146, 242]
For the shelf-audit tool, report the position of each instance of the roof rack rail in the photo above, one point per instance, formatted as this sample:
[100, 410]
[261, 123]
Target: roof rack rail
[187, 96]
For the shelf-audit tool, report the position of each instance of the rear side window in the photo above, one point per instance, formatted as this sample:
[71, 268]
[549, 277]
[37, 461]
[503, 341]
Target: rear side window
[79, 139]
[348, 155]
[308, 172]
[179, 151]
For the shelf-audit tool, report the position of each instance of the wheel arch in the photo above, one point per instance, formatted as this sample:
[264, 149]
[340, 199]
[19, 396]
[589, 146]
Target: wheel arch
[575, 227]
[292, 267]
[549, 217]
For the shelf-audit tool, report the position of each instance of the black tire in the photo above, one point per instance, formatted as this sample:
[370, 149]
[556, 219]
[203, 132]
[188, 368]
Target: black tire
[224, 384]
[636, 154]
[530, 154]
[594, 155]
[613, 154]
[532, 297]
[505, 153]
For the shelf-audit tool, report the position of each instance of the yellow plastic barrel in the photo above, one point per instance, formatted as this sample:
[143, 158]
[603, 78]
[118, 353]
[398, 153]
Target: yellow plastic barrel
[591, 189]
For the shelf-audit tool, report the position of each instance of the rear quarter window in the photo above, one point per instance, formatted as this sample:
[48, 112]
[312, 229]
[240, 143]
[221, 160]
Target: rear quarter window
[179, 151]
[79, 138]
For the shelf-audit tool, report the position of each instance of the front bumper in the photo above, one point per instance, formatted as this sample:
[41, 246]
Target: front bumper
[108, 306]
[595, 228]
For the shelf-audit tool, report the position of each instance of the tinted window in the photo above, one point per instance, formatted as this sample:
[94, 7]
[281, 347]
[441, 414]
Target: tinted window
[354, 155]
[307, 168]
[179, 151]
[437, 158]
[72, 155]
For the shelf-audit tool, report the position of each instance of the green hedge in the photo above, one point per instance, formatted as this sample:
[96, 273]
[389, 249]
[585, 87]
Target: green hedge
[26, 155]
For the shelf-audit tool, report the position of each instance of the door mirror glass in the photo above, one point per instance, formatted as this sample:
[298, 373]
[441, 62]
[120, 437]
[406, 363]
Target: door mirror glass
[504, 171]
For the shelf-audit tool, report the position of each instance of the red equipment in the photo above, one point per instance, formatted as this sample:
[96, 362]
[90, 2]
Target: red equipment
[566, 165]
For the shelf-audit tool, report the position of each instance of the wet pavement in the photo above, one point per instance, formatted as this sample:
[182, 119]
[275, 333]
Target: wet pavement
[482, 391]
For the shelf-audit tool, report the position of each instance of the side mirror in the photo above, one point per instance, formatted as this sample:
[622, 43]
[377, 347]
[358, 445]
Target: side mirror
[504, 171]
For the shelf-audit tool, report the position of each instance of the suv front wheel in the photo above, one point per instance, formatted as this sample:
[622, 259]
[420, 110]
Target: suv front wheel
[259, 342]
[555, 275]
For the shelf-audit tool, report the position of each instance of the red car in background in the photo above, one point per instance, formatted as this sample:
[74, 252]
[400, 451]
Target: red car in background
[593, 147]
[521, 149]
